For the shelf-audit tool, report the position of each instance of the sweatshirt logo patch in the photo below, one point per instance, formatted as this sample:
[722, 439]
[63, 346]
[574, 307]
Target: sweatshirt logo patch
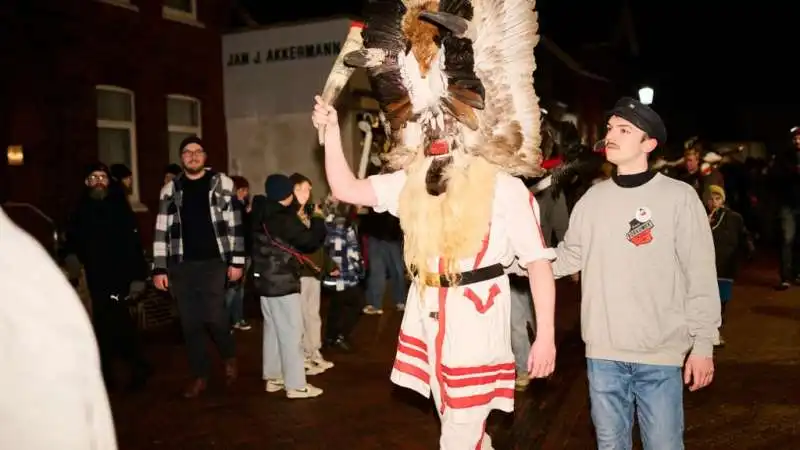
[641, 231]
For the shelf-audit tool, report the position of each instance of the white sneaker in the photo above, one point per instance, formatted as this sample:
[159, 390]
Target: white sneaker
[316, 370]
[308, 392]
[321, 362]
[371, 310]
[274, 385]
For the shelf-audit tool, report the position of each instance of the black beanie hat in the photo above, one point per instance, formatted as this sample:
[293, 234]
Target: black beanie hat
[190, 140]
[95, 167]
[278, 187]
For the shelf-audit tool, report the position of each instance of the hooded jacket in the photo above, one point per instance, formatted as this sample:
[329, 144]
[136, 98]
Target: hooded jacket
[279, 240]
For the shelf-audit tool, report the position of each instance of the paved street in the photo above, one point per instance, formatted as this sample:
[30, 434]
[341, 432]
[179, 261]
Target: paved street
[753, 404]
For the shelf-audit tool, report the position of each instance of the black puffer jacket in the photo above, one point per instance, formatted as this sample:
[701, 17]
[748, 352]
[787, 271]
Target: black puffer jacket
[279, 240]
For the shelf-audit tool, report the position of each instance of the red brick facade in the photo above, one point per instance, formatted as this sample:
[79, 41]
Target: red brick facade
[55, 52]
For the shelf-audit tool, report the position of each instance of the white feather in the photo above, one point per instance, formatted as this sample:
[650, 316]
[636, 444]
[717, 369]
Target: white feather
[425, 93]
[504, 35]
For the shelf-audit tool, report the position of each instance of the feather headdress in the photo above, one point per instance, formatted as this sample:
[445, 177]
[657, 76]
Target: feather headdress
[454, 77]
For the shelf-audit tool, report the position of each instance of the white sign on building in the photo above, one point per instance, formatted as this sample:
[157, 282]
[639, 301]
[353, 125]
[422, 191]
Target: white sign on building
[270, 78]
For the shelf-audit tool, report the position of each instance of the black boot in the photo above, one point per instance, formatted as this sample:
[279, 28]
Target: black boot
[342, 344]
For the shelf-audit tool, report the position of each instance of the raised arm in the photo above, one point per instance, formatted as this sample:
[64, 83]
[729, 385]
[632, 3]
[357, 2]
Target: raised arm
[343, 182]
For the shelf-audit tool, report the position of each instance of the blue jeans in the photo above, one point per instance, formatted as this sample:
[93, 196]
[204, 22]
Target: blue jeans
[385, 261]
[521, 316]
[234, 299]
[617, 389]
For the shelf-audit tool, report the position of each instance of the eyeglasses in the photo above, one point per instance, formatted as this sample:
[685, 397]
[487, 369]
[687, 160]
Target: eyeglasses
[97, 177]
[193, 152]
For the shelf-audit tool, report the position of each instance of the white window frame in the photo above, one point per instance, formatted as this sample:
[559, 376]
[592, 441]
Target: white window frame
[196, 130]
[121, 3]
[189, 18]
[131, 127]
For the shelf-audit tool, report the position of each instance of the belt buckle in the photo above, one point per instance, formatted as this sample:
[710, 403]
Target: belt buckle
[433, 281]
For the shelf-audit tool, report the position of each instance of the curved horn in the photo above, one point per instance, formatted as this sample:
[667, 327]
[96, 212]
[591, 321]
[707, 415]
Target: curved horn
[455, 24]
[365, 58]
[340, 73]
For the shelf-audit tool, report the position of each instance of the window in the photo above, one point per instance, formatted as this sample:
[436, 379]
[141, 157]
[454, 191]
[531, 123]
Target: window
[181, 10]
[127, 4]
[183, 120]
[116, 131]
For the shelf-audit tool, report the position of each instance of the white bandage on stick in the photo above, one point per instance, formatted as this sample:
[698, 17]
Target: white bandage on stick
[340, 73]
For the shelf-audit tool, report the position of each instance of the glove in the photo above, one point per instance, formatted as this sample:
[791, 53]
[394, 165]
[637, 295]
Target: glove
[136, 288]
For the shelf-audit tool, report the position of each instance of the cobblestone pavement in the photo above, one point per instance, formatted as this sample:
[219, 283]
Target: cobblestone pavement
[753, 404]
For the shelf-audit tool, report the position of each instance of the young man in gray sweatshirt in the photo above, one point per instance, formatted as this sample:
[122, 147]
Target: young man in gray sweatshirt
[643, 244]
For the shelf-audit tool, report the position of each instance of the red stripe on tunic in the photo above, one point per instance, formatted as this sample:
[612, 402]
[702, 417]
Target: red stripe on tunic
[440, 341]
[413, 341]
[414, 353]
[476, 370]
[484, 248]
[483, 433]
[472, 401]
[480, 305]
[480, 380]
[412, 370]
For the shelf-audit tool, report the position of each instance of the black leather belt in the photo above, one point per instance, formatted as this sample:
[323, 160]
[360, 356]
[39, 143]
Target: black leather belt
[467, 278]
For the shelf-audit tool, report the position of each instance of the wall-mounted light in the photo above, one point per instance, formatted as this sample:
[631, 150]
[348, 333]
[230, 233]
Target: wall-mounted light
[646, 95]
[15, 155]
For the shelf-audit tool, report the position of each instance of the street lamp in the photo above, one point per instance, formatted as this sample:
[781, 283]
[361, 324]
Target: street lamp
[646, 95]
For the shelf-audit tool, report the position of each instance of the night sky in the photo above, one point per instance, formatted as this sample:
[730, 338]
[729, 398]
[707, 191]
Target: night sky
[726, 72]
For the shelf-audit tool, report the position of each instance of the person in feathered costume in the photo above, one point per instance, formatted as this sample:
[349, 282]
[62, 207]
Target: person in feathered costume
[454, 80]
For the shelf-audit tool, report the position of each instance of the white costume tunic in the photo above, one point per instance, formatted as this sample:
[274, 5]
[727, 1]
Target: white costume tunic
[455, 342]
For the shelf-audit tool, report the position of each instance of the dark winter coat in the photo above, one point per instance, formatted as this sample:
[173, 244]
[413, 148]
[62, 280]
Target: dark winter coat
[279, 240]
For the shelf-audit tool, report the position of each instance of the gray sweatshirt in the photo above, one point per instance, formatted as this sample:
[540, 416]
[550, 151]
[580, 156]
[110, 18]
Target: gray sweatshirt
[648, 274]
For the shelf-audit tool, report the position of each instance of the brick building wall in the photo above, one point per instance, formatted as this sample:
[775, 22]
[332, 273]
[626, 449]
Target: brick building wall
[56, 52]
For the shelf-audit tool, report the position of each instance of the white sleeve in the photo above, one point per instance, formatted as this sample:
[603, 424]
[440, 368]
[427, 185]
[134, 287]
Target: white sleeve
[387, 189]
[522, 222]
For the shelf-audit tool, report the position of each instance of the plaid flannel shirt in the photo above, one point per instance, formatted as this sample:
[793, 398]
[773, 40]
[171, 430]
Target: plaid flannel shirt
[227, 221]
[341, 245]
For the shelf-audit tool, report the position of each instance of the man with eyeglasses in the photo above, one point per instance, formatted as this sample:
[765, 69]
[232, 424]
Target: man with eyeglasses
[198, 249]
[103, 237]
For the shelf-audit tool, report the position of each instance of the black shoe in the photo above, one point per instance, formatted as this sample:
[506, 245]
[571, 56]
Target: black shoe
[343, 345]
[783, 286]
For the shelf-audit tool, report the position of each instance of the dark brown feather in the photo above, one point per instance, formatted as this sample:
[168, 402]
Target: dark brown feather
[465, 95]
[435, 180]
[383, 30]
[462, 112]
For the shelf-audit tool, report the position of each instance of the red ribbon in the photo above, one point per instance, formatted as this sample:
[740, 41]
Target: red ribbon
[551, 163]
